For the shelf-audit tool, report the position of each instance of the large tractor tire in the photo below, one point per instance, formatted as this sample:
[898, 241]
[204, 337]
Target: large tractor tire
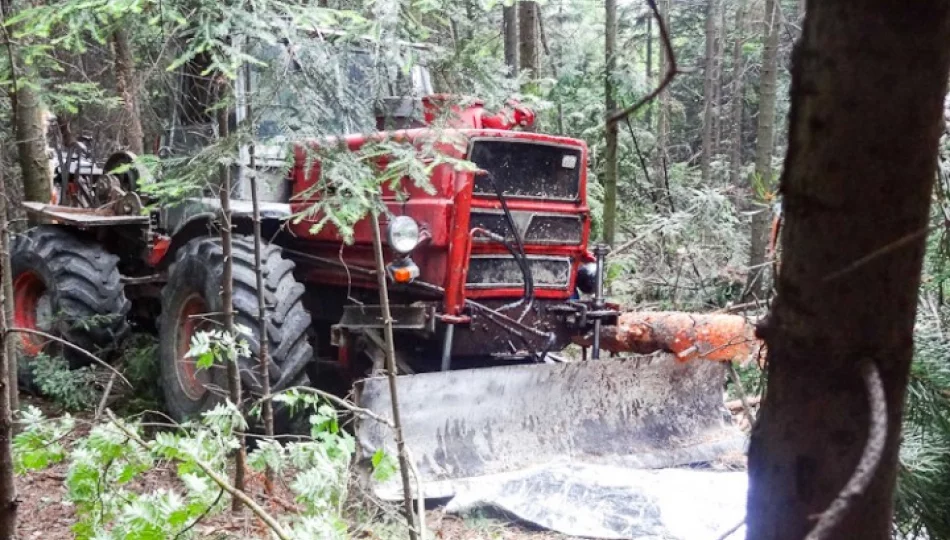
[69, 287]
[194, 289]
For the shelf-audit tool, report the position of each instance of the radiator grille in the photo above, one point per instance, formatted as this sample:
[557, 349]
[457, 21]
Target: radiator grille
[535, 228]
[502, 271]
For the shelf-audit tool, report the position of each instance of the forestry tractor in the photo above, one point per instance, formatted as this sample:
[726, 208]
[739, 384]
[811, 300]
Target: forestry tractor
[491, 274]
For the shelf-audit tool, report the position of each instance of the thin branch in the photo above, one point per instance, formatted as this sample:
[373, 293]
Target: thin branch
[897, 244]
[222, 482]
[330, 397]
[870, 457]
[740, 389]
[671, 71]
[729, 532]
[76, 348]
[203, 515]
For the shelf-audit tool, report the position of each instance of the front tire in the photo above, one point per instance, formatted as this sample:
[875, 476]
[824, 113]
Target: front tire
[194, 289]
[69, 287]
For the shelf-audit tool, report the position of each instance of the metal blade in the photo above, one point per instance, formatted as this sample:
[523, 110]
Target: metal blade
[636, 412]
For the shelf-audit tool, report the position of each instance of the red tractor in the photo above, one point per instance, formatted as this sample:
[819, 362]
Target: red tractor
[490, 268]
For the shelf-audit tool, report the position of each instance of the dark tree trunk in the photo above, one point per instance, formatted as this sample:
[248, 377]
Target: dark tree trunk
[510, 28]
[868, 83]
[738, 97]
[529, 56]
[29, 125]
[610, 155]
[648, 114]
[663, 122]
[709, 86]
[125, 85]
[765, 137]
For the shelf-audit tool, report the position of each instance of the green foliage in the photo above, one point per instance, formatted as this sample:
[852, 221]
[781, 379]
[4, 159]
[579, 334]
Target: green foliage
[74, 389]
[106, 468]
[218, 345]
[41, 441]
[139, 364]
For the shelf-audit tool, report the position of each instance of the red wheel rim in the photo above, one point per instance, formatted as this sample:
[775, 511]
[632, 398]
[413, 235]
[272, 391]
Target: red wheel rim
[191, 380]
[31, 310]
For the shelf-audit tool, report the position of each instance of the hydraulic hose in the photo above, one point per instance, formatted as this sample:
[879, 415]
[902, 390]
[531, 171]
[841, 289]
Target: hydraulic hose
[521, 258]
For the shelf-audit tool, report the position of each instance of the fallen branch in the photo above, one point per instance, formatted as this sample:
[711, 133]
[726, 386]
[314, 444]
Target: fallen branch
[268, 519]
[870, 457]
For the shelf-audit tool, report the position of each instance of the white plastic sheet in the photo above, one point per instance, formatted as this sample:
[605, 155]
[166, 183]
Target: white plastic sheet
[597, 501]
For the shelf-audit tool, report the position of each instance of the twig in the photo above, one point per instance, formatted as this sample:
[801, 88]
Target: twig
[746, 406]
[268, 519]
[671, 71]
[203, 515]
[330, 397]
[870, 457]
[734, 404]
[105, 397]
[897, 244]
[76, 348]
[731, 530]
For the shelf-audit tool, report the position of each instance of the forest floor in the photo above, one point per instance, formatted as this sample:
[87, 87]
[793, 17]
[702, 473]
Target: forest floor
[44, 512]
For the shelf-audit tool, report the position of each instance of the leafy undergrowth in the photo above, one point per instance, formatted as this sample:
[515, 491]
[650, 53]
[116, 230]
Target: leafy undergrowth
[80, 478]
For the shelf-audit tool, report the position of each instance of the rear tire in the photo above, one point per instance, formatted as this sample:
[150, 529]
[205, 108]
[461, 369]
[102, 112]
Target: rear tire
[194, 286]
[69, 287]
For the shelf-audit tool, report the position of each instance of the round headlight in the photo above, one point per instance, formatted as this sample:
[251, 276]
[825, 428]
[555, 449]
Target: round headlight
[403, 234]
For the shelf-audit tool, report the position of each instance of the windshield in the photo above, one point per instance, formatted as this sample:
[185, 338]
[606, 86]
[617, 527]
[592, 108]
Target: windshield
[328, 89]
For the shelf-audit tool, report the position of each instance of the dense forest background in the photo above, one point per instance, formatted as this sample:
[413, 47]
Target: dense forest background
[684, 188]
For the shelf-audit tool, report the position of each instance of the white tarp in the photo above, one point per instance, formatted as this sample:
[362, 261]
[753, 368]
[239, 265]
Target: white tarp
[599, 501]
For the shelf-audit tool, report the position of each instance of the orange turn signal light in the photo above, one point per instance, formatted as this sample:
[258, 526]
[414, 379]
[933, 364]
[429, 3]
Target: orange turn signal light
[402, 275]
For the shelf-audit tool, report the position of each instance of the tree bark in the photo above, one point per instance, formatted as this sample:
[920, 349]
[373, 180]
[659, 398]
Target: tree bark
[738, 96]
[648, 113]
[765, 136]
[528, 56]
[509, 24]
[125, 84]
[29, 124]
[868, 83]
[227, 299]
[663, 121]
[709, 90]
[610, 154]
[8, 496]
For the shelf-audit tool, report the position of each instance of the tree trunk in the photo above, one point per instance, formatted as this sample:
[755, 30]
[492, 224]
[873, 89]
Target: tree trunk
[738, 97]
[610, 154]
[709, 90]
[765, 135]
[227, 299]
[528, 35]
[125, 85]
[663, 121]
[8, 496]
[509, 24]
[720, 80]
[29, 125]
[648, 113]
[868, 83]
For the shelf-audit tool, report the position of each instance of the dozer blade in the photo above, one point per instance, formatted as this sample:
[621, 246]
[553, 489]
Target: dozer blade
[634, 412]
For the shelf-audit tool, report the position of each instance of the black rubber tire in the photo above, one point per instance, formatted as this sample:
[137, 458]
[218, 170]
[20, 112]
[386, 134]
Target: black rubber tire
[197, 270]
[84, 289]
